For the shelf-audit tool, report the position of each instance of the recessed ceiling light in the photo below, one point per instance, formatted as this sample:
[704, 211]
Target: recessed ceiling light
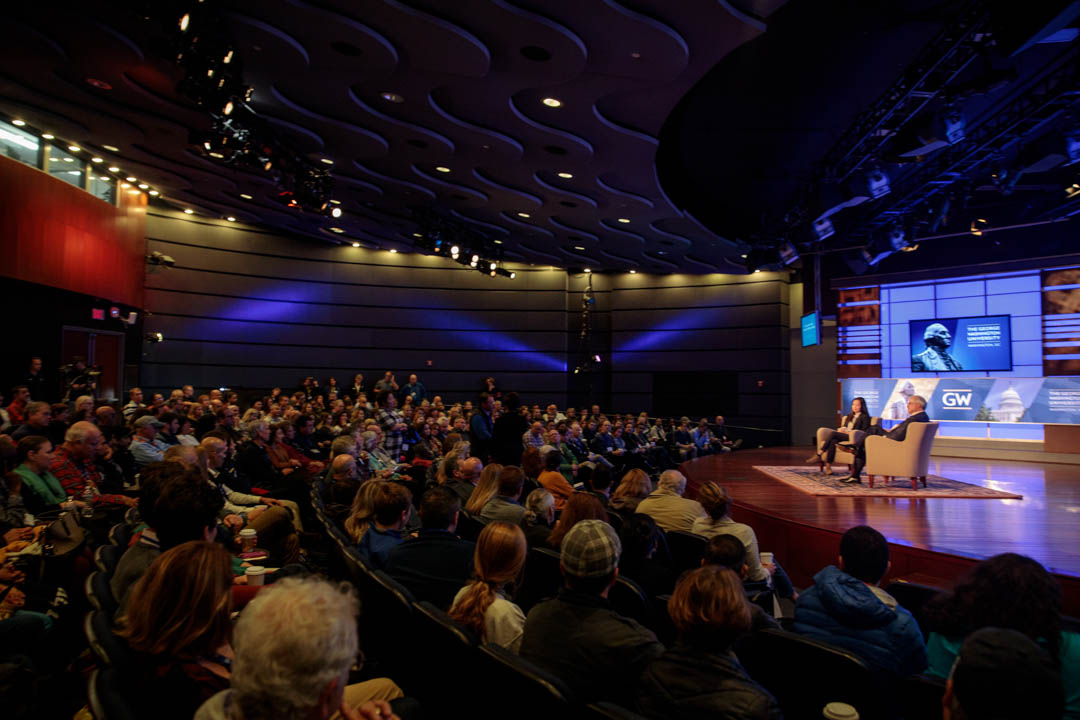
[328, 161]
[552, 102]
[578, 247]
[231, 219]
[154, 193]
[134, 192]
[417, 235]
[143, 186]
[588, 270]
[565, 175]
[497, 242]
[336, 230]
[48, 136]
[188, 211]
[335, 202]
[245, 196]
[522, 214]
[393, 250]
[757, 271]
[442, 168]
[18, 123]
[624, 220]
[743, 256]
[74, 148]
[69, 159]
[356, 244]
[124, 185]
[111, 148]
[130, 178]
[335, 212]
[392, 97]
[216, 155]
[104, 178]
[113, 168]
[97, 160]
[633, 272]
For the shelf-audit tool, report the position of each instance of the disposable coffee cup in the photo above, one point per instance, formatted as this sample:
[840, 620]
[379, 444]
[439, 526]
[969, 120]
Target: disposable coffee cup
[766, 558]
[256, 574]
[839, 711]
[248, 537]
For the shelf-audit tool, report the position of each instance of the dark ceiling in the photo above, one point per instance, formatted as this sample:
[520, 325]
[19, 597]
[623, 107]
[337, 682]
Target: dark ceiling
[472, 75]
[686, 126]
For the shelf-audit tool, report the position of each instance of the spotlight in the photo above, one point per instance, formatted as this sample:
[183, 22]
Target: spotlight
[513, 274]
[492, 266]
[788, 253]
[552, 102]
[823, 228]
[336, 212]
[492, 273]
[189, 211]
[393, 250]
[97, 160]
[154, 337]
[113, 168]
[227, 110]
[978, 225]
[633, 272]
[185, 21]
[153, 193]
[48, 136]
[1072, 146]
[18, 123]
[954, 125]
[588, 270]
[878, 183]
[356, 244]
[114, 312]
[131, 178]
[74, 148]
[475, 259]
[455, 250]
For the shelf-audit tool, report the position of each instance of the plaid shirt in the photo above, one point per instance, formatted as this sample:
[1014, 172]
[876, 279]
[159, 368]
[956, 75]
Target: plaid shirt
[75, 474]
[392, 439]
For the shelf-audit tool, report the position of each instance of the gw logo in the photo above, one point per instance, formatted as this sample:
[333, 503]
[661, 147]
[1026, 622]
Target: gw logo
[956, 399]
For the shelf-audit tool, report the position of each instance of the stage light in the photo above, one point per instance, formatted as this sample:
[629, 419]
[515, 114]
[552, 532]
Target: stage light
[154, 193]
[245, 196]
[48, 136]
[335, 212]
[513, 274]
[565, 175]
[327, 161]
[110, 148]
[588, 270]
[633, 272]
[114, 312]
[442, 169]
[74, 148]
[954, 126]
[185, 21]
[552, 102]
[624, 220]
[143, 186]
[578, 247]
[878, 183]
[473, 263]
[97, 160]
[455, 250]
[228, 58]
[125, 185]
[356, 244]
[475, 259]
[189, 211]
[113, 168]
[393, 250]
[231, 219]
[978, 225]
[392, 97]
[823, 228]
[492, 273]
[227, 110]
[523, 214]
[154, 337]
[336, 230]
[131, 178]
[18, 123]
[492, 266]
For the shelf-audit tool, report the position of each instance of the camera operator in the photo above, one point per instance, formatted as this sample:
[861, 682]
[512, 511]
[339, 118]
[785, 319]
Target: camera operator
[78, 379]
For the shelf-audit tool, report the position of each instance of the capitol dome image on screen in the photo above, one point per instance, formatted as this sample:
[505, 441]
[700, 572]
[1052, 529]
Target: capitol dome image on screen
[1011, 406]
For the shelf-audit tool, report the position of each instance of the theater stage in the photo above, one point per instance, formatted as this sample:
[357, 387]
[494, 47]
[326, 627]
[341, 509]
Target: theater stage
[933, 540]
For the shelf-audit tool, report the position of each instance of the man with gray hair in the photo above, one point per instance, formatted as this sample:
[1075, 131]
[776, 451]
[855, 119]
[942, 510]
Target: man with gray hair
[299, 670]
[916, 407]
[667, 506]
[577, 636]
[73, 465]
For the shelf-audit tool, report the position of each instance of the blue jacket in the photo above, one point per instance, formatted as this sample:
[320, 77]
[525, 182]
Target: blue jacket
[843, 611]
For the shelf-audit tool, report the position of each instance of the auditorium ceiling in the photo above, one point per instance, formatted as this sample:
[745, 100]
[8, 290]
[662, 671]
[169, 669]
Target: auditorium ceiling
[535, 124]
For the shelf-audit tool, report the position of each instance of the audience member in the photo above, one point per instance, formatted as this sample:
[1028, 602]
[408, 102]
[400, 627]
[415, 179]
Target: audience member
[390, 513]
[465, 478]
[146, 447]
[177, 624]
[553, 481]
[73, 465]
[362, 511]
[581, 506]
[1007, 591]
[699, 677]
[482, 605]
[295, 644]
[486, 488]
[577, 636]
[634, 487]
[729, 552]
[668, 507]
[539, 517]
[1002, 674]
[134, 404]
[39, 422]
[507, 431]
[845, 607]
[436, 563]
[41, 491]
[504, 505]
[639, 537]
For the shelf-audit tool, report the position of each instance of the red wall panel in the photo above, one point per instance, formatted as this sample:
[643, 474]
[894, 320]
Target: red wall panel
[55, 234]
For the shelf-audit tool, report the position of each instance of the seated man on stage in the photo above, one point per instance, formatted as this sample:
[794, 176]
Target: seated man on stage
[852, 429]
[916, 414]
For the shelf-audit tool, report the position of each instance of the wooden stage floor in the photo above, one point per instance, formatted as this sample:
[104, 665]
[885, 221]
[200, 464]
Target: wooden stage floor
[932, 538]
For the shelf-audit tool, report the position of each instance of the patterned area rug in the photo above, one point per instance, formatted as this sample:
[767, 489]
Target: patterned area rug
[807, 479]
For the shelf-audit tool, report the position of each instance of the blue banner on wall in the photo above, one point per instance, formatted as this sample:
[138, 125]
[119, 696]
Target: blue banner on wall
[1005, 400]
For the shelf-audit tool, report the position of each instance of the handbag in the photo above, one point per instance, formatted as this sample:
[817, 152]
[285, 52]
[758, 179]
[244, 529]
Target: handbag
[64, 534]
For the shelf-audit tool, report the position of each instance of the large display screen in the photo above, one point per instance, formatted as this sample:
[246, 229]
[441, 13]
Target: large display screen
[965, 344]
[811, 329]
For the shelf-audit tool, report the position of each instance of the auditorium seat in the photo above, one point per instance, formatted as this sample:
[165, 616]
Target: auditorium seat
[468, 527]
[662, 625]
[100, 594]
[542, 578]
[387, 623]
[107, 557]
[448, 662]
[120, 534]
[515, 687]
[913, 597]
[921, 697]
[110, 649]
[805, 675]
[106, 695]
[686, 549]
[628, 599]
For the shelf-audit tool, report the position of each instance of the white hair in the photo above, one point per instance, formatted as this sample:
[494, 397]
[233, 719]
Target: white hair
[919, 400]
[673, 480]
[539, 501]
[291, 641]
[80, 431]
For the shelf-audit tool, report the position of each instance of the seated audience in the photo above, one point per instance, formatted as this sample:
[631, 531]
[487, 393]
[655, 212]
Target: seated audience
[699, 677]
[295, 644]
[553, 481]
[577, 636]
[639, 537]
[1002, 674]
[362, 511]
[717, 504]
[634, 487]
[39, 422]
[504, 505]
[146, 446]
[668, 507]
[581, 506]
[729, 552]
[1006, 591]
[845, 607]
[599, 484]
[436, 563]
[41, 491]
[465, 478]
[344, 480]
[482, 605]
[390, 513]
[177, 625]
[539, 517]
[73, 465]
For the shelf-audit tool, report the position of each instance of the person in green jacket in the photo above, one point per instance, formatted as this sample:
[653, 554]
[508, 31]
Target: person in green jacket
[34, 454]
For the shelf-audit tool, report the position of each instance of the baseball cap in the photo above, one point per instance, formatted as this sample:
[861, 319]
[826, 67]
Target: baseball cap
[994, 664]
[591, 549]
[148, 420]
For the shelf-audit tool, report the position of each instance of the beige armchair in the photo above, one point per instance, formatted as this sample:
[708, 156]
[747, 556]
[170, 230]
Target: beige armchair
[909, 458]
[845, 456]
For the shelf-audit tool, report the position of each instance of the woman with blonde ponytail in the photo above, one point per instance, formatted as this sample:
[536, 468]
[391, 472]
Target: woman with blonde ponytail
[481, 606]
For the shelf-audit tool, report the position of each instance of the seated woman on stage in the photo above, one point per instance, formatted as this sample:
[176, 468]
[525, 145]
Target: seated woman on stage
[858, 421]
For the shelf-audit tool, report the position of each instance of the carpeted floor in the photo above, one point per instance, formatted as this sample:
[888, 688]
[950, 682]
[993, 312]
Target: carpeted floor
[809, 480]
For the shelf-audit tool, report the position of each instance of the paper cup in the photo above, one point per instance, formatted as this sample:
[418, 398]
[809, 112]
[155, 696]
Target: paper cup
[256, 574]
[840, 711]
[766, 558]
